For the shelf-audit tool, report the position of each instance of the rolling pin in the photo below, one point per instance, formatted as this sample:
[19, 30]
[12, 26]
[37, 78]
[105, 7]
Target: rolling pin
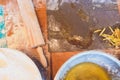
[33, 28]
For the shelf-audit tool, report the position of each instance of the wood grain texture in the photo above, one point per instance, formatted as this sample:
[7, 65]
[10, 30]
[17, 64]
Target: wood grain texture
[32, 26]
[40, 8]
[3, 2]
[59, 58]
[17, 37]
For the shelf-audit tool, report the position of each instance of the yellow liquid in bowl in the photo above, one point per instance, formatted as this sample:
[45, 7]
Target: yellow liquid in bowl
[87, 71]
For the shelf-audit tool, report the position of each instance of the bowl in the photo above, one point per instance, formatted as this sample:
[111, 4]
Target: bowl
[110, 63]
[15, 65]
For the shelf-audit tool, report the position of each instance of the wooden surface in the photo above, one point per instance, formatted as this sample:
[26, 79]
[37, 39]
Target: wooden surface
[55, 60]
[58, 60]
[30, 20]
[2, 2]
[16, 33]
[33, 28]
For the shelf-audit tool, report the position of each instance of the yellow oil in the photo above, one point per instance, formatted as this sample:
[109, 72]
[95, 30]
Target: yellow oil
[87, 71]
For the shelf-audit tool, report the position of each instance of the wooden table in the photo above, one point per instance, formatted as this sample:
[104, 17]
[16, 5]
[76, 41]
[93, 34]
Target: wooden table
[55, 60]
[58, 59]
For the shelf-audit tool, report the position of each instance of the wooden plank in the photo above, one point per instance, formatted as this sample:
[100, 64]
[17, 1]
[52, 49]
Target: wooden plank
[32, 26]
[40, 8]
[59, 58]
[42, 57]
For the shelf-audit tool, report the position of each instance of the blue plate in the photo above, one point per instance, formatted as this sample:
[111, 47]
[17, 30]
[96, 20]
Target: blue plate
[110, 63]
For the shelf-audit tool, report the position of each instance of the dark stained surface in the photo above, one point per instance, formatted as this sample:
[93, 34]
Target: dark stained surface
[71, 23]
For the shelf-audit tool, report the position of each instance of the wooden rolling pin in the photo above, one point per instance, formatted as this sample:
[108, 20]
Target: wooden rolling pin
[32, 27]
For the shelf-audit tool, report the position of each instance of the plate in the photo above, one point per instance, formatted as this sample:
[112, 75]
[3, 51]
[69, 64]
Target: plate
[110, 63]
[15, 65]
